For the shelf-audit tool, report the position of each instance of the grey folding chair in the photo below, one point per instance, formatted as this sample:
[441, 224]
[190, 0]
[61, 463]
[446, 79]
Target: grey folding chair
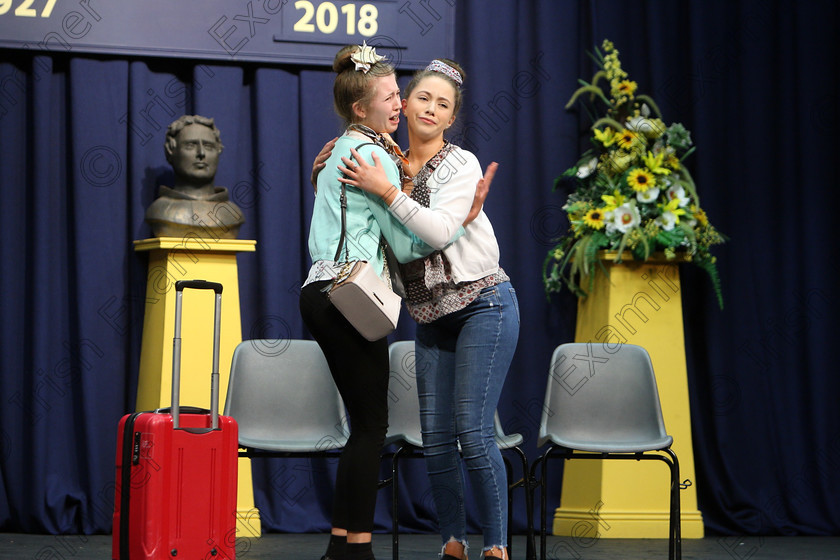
[614, 414]
[404, 432]
[284, 400]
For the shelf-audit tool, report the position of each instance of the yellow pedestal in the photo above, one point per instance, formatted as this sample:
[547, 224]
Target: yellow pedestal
[172, 259]
[640, 303]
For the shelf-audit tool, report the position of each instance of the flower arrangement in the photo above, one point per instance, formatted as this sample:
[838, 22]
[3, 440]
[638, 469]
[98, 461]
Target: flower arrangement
[632, 191]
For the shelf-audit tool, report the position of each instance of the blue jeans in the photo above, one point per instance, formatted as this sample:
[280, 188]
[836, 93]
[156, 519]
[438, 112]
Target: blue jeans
[462, 360]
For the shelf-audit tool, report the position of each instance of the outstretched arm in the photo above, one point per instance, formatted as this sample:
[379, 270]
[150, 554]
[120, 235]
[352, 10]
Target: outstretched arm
[482, 189]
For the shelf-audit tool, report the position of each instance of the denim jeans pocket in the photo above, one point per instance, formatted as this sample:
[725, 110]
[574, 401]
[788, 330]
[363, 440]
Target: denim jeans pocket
[489, 297]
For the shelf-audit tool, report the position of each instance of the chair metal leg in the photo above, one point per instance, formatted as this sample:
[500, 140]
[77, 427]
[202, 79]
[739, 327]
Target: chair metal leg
[533, 484]
[675, 530]
[395, 522]
[525, 483]
[675, 513]
[543, 505]
[543, 463]
[509, 473]
[674, 524]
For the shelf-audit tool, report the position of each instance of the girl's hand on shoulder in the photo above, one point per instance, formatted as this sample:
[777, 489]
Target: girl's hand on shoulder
[321, 161]
[369, 178]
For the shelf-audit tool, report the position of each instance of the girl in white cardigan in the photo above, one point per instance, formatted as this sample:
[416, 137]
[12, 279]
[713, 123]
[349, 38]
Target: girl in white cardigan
[465, 306]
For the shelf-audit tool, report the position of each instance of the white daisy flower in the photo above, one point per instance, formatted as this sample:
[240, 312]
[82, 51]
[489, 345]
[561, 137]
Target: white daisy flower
[626, 217]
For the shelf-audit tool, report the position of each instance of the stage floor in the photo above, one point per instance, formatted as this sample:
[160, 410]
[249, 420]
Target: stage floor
[417, 547]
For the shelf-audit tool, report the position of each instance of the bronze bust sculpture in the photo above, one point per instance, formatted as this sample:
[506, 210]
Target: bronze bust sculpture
[194, 206]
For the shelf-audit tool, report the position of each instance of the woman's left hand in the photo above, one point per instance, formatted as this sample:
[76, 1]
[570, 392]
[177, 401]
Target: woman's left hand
[321, 162]
[482, 188]
[369, 178]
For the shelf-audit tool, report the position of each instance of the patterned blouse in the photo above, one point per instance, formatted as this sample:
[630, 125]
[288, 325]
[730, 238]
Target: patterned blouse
[430, 291]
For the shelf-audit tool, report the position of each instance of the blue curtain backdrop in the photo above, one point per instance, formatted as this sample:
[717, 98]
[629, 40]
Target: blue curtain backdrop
[756, 82]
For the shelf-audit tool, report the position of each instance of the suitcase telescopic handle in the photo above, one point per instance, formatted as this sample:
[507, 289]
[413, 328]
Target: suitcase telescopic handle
[180, 285]
[198, 285]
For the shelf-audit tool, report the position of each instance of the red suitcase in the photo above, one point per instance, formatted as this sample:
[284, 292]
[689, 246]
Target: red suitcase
[177, 471]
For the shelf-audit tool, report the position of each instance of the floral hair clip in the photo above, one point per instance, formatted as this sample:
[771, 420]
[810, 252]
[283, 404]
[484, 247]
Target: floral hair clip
[365, 57]
[442, 67]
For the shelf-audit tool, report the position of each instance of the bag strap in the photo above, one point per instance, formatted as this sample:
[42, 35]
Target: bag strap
[343, 200]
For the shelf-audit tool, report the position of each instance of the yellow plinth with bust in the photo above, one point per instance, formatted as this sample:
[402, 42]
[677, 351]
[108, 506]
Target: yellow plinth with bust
[638, 303]
[172, 259]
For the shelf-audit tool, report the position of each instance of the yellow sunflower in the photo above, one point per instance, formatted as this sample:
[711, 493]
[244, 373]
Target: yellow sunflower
[641, 179]
[594, 218]
[629, 140]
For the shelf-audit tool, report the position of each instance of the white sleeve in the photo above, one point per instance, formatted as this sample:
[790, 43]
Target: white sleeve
[453, 190]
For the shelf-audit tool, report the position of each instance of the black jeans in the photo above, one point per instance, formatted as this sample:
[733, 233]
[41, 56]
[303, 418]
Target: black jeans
[360, 370]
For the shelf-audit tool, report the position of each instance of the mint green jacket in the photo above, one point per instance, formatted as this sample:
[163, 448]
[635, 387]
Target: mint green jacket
[367, 215]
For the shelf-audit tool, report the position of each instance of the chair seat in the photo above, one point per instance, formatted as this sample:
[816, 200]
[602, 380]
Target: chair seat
[404, 439]
[503, 440]
[292, 446]
[617, 446]
[507, 441]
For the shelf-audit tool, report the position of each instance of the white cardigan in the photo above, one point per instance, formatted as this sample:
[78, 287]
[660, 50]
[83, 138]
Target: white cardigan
[473, 255]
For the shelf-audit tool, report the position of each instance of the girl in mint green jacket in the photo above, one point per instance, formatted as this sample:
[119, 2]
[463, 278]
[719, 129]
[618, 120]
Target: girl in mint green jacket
[366, 96]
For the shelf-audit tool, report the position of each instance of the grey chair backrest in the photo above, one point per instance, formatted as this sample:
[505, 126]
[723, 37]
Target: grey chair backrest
[602, 398]
[506, 441]
[283, 397]
[403, 402]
